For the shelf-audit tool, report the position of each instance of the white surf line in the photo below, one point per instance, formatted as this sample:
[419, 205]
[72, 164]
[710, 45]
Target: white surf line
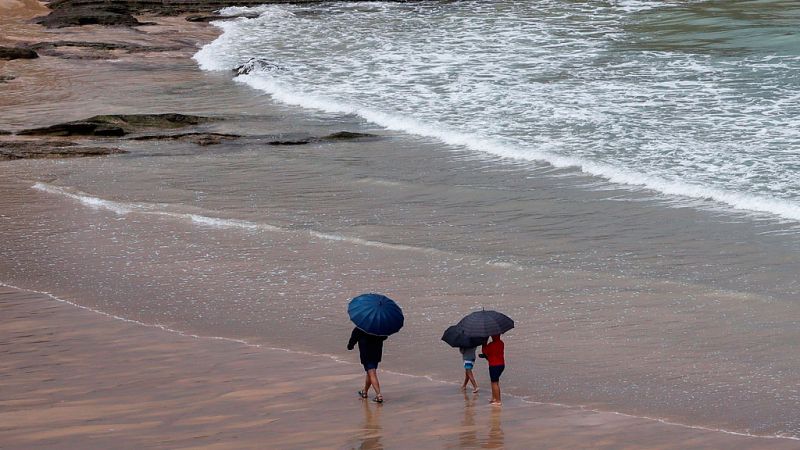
[216, 222]
[740, 202]
[336, 359]
[128, 208]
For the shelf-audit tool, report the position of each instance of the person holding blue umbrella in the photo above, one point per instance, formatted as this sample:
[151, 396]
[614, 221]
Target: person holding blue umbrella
[376, 317]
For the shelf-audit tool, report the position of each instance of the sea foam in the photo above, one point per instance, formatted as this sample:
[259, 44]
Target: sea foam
[284, 94]
[674, 135]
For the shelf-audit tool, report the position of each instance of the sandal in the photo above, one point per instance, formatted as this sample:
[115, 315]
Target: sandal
[362, 394]
[378, 399]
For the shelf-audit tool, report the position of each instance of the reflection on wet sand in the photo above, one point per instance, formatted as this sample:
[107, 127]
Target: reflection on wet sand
[469, 437]
[372, 430]
[469, 434]
[496, 438]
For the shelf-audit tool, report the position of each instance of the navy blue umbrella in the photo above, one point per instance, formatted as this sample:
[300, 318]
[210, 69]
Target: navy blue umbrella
[375, 314]
[457, 336]
[485, 323]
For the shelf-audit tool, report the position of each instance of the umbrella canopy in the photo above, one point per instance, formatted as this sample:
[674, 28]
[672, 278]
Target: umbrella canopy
[376, 314]
[482, 324]
[456, 336]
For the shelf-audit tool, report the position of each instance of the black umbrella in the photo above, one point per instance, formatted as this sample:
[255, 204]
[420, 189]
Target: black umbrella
[482, 324]
[457, 337]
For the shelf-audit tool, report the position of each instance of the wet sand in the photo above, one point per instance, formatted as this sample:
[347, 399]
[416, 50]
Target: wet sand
[82, 380]
[74, 378]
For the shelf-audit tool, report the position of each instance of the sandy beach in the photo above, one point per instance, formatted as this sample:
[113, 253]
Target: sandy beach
[75, 378]
[180, 319]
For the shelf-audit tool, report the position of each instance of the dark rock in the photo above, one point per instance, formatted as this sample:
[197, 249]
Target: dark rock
[17, 53]
[4, 132]
[6, 78]
[50, 149]
[197, 138]
[166, 7]
[116, 124]
[256, 65]
[76, 128]
[103, 46]
[166, 120]
[347, 135]
[203, 18]
[210, 17]
[110, 14]
[338, 136]
[291, 142]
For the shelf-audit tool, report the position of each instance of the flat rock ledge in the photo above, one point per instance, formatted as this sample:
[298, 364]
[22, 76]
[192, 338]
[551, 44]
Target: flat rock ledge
[68, 13]
[109, 14]
[201, 139]
[212, 17]
[8, 53]
[338, 136]
[116, 125]
[51, 149]
[93, 50]
[165, 7]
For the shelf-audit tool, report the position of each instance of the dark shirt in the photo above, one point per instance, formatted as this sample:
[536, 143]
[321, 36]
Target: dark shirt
[370, 347]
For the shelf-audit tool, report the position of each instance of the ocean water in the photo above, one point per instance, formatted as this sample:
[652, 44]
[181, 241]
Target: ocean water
[618, 177]
[688, 99]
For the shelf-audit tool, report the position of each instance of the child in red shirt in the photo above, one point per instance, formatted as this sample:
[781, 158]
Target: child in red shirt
[494, 352]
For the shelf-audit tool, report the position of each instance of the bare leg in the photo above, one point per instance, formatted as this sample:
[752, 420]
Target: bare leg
[367, 384]
[466, 380]
[372, 378]
[496, 393]
[471, 378]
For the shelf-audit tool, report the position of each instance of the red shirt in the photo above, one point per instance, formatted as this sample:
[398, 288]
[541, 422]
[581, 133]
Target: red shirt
[494, 352]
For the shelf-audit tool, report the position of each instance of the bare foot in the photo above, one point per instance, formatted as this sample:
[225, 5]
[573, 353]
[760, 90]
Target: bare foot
[464, 388]
[475, 391]
[496, 403]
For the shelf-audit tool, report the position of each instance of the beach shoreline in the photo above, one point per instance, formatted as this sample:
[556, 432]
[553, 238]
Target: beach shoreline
[82, 378]
[352, 424]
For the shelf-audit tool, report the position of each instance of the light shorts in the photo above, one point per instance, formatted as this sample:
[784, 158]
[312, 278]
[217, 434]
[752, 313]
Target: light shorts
[469, 364]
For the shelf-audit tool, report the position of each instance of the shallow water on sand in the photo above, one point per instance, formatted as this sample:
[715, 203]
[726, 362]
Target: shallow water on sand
[624, 300]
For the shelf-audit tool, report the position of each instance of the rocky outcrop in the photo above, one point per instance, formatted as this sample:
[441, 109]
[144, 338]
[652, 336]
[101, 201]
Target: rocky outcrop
[93, 50]
[109, 14]
[210, 17]
[9, 53]
[256, 65]
[165, 7]
[76, 128]
[348, 135]
[338, 136]
[120, 12]
[202, 139]
[117, 125]
[48, 47]
[6, 78]
[51, 149]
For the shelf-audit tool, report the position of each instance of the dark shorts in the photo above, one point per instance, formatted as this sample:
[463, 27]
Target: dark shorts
[494, 373]
[369, 366]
